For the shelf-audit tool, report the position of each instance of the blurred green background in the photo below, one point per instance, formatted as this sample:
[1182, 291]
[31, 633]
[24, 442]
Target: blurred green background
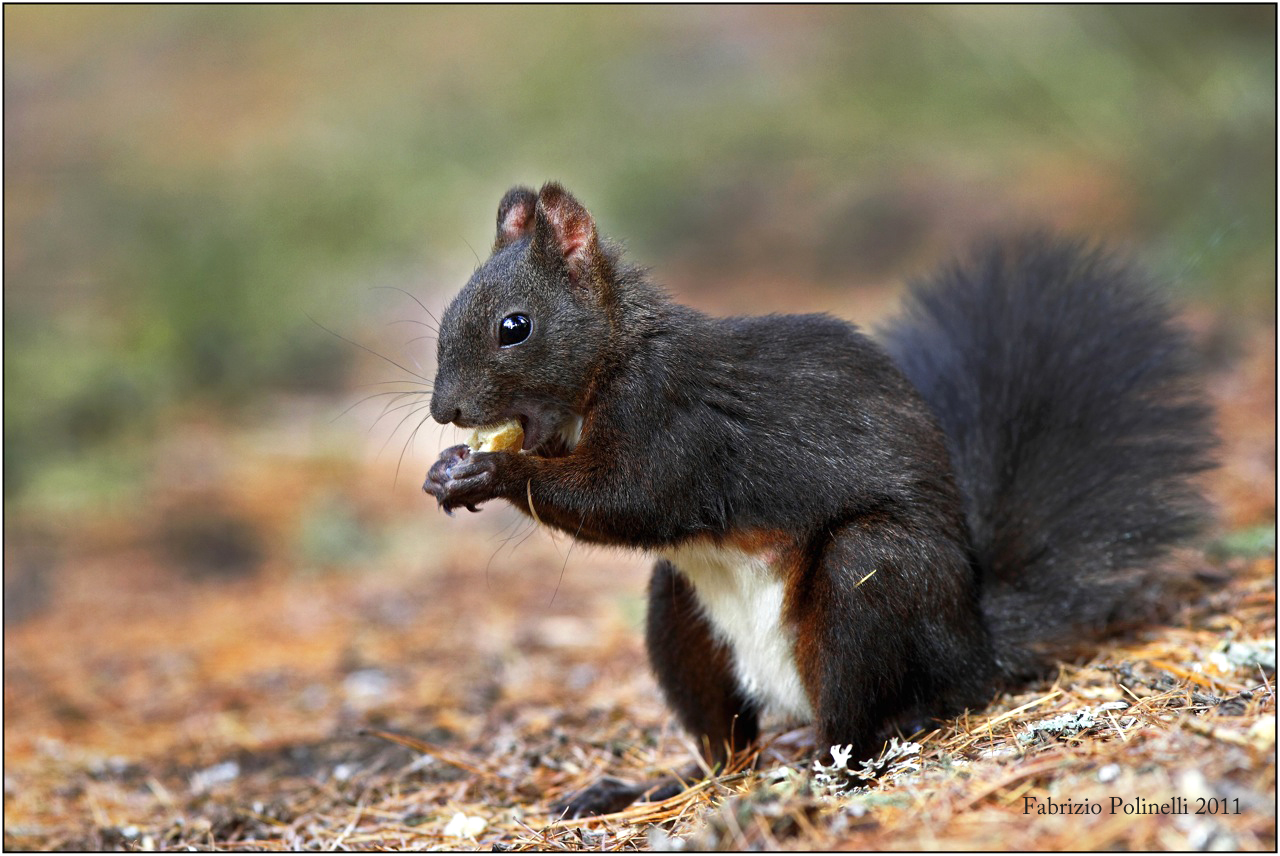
[187, 187]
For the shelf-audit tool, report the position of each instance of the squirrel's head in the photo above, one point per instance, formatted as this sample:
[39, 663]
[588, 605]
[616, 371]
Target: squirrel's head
[525, 335]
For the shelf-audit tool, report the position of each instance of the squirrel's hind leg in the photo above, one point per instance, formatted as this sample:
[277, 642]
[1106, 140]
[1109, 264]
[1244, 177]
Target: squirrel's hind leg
[695, 669]
[888, 633]
[695, 672]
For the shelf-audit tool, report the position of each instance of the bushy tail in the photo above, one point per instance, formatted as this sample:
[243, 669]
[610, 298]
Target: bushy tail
[1067, 396]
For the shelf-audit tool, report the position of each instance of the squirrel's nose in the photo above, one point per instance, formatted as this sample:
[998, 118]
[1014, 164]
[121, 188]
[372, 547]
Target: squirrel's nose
[443, 410]
[444, 416]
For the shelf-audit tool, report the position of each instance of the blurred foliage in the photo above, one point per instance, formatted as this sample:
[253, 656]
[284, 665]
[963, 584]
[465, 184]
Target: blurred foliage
[331, 534]
[1249, 543]
[184, 185]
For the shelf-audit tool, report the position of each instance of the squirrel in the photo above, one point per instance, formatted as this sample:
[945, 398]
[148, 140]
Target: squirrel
[865, 535]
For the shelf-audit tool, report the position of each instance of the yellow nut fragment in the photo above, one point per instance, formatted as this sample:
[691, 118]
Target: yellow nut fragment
[504, 437]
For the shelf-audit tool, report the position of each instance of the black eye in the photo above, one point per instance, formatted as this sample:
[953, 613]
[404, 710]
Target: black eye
[514, 329]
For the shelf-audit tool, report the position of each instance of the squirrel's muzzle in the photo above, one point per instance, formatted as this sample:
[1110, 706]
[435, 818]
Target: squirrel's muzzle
[444, 405]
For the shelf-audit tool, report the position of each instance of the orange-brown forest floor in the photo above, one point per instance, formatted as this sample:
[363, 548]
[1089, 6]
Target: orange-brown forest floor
[287, 652]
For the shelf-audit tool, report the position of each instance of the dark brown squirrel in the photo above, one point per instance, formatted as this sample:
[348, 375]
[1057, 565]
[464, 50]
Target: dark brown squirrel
[865, 535]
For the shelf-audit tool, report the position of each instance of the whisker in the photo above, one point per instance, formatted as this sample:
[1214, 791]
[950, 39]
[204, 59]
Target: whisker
[572, 544]
[521, 532]
[415, 321]
[473, 251]
[415, 388]
[425, 386]
[412, 434]
[512, 525]
[369, 350]
[532, 528]
[375, 395]
[387, 410]
[419, 398]
[414, 299]
[420, 338]
[406, 418]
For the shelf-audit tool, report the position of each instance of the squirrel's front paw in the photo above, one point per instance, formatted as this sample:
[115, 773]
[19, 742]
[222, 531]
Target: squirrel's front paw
[462, 478]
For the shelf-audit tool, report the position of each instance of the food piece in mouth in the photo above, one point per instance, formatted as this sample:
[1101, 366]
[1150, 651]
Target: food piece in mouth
[504, 437]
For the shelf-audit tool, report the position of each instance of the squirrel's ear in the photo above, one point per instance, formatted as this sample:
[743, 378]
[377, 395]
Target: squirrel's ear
[564, 232]
[515, 216]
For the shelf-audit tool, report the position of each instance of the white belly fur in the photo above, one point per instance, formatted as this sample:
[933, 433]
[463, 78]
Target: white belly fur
[741, 595]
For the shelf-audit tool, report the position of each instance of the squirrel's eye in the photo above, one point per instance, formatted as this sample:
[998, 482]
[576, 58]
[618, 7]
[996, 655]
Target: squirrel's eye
[514, 329]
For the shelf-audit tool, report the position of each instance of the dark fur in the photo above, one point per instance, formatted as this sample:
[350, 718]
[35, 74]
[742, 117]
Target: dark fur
[1074, 424]
[1005, 491]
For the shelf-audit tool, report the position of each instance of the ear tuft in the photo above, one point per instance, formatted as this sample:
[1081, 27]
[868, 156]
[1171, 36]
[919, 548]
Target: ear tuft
[515, 216]
[566, 231]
